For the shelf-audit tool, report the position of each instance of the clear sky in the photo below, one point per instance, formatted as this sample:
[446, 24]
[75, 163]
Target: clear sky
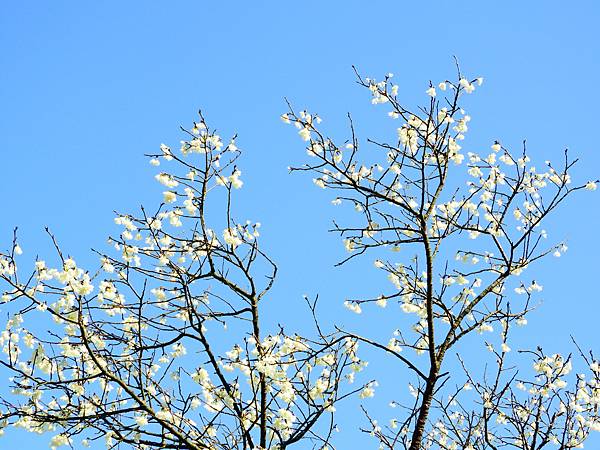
[88, 87]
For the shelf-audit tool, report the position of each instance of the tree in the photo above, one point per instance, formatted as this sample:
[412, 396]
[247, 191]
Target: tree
[161, 346]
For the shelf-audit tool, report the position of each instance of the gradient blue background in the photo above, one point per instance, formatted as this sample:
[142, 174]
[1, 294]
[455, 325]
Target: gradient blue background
[87, 88]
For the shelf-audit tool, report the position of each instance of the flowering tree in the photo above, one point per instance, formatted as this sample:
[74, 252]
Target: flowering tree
[470, 243]
[161, 346]
[138, 352]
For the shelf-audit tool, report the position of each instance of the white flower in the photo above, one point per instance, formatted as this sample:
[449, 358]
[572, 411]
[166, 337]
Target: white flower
[409, 308]
[231, 237]
[319, 182]
[165, 415]
[381, 302]
[59, 440]
[200, 376]
[591, 186]
[107, 266]
[141, 420]
[169, 197]
[469, 87]
[166, 180]
[166, 152]
[159, 293]
[304, 134]
[535, 287]
[367, 391]
[349, 245]
[83, 286]
[485, 327]
[234, 179]
[352, 306]
[178, 350]
[461, 280]
[431, 92]
[442, 86]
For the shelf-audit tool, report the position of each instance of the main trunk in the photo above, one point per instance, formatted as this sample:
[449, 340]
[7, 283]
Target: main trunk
[417, 436]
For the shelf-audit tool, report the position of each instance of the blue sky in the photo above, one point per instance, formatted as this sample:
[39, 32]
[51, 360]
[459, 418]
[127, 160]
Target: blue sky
[88, 88]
